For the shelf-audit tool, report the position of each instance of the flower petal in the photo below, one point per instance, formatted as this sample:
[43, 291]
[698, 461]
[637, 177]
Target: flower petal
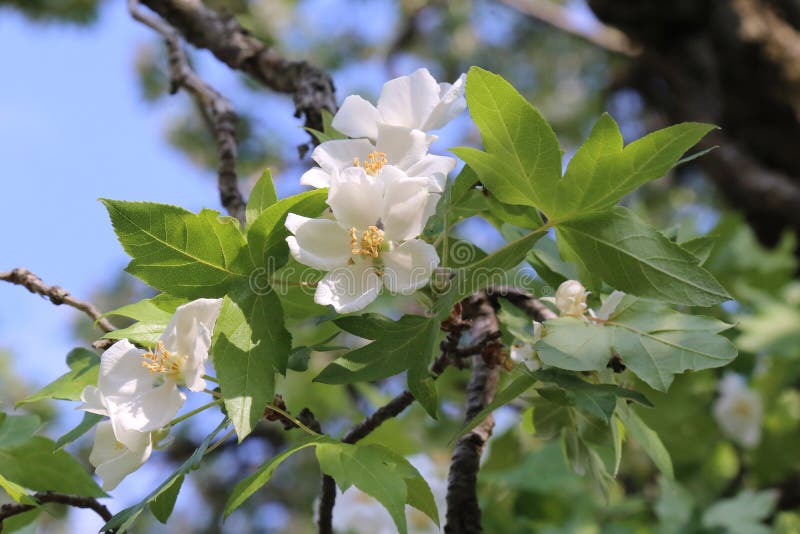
[189, 335]
[121, 370]
[451, 104]
[316, 177]
[115, 461]
[431, 165]
[403, 146]
[148, 410]
[409, 266]
[409, 100]
[356, 198]
[357, 118]
[335, 156]
[404, 204]
[93, 401]
[349, 288]
[319, 243]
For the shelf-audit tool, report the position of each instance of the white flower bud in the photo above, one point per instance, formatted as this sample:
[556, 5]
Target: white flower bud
[739, 411]
[571, 298]
[523, 353]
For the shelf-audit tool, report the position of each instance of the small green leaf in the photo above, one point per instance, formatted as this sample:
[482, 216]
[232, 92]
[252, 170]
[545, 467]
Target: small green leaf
[328, 132]
[248, 486]
[87, 423]
[743, 514]
[262, 196]
[123, 520]
[15, 429]
[378, 472]
[179, 252]
[647, 438]
[699, 247]
[632, 256]
[16, 492]
[34, 464]
[267, 235]
[250, 344]
[163, 504]
[84, 367]
[158, 309]
[522, 161]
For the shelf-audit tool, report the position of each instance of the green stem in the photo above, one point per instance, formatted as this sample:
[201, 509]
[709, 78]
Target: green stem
[222, 440]
[211, 379]
[293, 420]
[194, 412]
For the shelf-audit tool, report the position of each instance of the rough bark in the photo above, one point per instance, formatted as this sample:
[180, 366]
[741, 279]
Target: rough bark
[736, 64]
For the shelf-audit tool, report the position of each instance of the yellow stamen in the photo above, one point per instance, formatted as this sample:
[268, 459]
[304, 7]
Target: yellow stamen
[162, 361]
[374, 162]
[370, 243]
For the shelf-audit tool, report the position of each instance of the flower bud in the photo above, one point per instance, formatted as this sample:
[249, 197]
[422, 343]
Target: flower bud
[571, 298]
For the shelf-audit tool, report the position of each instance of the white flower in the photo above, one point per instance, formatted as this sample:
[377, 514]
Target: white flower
[570, 298]
[415, 101]
[522, 351]
[138, 389]
[739, 411]
[371, 242]
[115, 458]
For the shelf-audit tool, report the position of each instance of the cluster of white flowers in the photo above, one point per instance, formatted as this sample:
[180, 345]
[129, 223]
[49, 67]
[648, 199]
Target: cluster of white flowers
[139, 391]
[739, 411]
[383, 187]
[358, 513]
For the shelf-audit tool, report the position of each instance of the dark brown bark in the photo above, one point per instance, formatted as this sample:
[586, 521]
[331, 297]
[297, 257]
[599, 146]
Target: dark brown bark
[10, 510]
[736, 64]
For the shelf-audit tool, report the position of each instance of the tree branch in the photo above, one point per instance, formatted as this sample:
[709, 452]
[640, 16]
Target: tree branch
[523, 300]
[463, 510]
[9, 510]
[55, 294]
[312, 88]
[557, 16]
[214, 105]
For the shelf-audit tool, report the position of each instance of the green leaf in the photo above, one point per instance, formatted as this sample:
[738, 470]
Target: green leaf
[163, 504]
[158, 309]
[123, 520]
[654, 342]
[34, 464]
[86, 424]
[248, 486]
[267, 235]
[262, 196]
[84, 367]
[406, 344]
[490, 269]
[250, 344]
[517, 387]
[601, 171]
[16, 492]
[632, 256]
[380, 473]
[699, 247]
[179, 252]
[328, 133]
[743, 514]
[15, 429]
[522, 161]
[145, 334]
[647, 438]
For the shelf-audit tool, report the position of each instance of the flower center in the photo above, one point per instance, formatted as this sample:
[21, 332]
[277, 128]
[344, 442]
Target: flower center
[162, 361]
[373, 163]
[370, 243]
[742, 408]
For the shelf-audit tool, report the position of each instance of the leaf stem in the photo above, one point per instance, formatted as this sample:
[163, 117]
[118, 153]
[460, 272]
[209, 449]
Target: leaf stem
[299, 424]
[222, 440]
[211, 379]
[194, 412]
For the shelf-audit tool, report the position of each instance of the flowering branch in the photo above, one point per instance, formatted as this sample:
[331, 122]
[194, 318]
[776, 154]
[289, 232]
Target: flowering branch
[55, 294]
[9, 510]
[217, 109]
[463, 511]
[311, 87]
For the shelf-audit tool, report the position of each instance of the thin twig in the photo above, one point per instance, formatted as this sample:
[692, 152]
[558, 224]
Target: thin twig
[214, 105]
[557, 16]
[463, 510]
[55, 294]
[311, 88]
[9, 510]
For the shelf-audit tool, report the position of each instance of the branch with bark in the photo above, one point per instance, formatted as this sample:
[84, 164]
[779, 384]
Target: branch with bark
[217, 109]
[311, 88]
[55, 294]
[10, 510]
